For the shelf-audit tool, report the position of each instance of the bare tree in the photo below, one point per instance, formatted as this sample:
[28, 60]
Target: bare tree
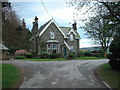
[99, 30]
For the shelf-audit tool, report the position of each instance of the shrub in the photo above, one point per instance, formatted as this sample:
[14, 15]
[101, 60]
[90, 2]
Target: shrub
[28, 55]
[81, 54]
[114, 57]
[71, 55]
[88, 54]
[34, 54]
[55, 55]
[43, 55]
[20, 57]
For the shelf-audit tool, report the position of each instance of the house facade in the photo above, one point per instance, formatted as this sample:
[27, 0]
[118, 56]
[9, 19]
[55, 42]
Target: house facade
[52, 38]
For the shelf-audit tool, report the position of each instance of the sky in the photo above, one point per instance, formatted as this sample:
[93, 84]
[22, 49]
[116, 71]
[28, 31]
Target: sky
[46, 10]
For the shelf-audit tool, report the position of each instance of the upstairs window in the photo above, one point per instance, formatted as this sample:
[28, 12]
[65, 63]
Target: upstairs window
[52, 35]
[71, 37]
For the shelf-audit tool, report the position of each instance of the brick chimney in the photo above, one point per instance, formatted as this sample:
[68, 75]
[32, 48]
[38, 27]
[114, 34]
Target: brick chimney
[36, 19]
[23, 23]
[74, 26]
[35, 25]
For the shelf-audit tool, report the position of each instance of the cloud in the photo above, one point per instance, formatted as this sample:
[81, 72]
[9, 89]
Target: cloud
[57, 10]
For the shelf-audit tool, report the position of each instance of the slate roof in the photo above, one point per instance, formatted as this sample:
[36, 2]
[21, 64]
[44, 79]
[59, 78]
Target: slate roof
[43, 26]
[65, 30]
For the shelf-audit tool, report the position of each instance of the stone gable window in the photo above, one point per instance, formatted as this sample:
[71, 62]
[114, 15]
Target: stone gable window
[71, 37]
[52, 35]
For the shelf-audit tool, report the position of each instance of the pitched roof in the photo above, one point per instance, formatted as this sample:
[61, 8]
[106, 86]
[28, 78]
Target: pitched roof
[43, 26]
[64, 30]
[77, 35]
[3, 47]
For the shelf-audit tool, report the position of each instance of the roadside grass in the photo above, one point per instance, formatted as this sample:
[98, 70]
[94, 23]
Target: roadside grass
[62, 59]
[89, 58]
[10, 76]
[110, 76]
[35, 59]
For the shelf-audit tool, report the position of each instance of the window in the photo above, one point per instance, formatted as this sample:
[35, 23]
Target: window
[52, 48]
[71, 48]
[49, 48]
[52, 35]
[71, 37]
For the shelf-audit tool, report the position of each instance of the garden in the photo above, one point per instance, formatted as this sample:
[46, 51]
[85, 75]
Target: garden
[44, 56]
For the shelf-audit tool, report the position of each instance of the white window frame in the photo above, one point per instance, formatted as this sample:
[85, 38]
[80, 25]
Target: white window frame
[48, 48]
[52, 35]
[55, 45]
[71, 37]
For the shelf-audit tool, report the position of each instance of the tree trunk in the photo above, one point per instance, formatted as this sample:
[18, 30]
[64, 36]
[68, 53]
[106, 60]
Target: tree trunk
[105, 54]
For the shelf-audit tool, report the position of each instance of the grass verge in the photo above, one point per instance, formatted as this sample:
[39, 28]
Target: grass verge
[89, 58]
[110, 76]
[33, 59]
[10, 76]
[62, 59]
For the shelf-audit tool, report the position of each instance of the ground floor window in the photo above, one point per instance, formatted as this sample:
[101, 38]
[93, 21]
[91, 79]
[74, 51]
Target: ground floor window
[53, 48]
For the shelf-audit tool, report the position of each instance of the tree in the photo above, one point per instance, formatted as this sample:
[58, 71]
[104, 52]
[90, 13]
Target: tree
[113, 8]
[94, 27]
[15, 35]
[99, 30]
[114, 57]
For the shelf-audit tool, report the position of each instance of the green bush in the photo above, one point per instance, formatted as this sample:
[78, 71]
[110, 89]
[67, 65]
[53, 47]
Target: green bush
[43, 55]
[55, 55]
[88, 54]
[71, 55]
[114, 57]
[81, 54]
[19, 57]
[28, 55]
[34, 54]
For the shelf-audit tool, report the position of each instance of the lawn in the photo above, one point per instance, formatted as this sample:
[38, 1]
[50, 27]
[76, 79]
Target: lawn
[10, 76]
[109, 75]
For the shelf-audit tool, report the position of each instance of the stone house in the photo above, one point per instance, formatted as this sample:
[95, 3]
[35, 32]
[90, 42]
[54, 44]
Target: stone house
[54, 39]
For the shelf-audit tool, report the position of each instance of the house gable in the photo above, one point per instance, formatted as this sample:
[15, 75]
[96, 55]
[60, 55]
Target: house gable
[71, 31]
[45, 28]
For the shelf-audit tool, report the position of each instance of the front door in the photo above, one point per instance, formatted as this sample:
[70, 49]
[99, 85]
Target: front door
[65, 51]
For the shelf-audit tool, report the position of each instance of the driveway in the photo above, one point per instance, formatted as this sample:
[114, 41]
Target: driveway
[59, 74]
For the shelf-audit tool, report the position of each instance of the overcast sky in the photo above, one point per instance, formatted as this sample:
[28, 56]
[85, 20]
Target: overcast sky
[58, 10]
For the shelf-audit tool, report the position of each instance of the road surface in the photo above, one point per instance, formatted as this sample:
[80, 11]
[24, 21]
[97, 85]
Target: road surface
[59, 74]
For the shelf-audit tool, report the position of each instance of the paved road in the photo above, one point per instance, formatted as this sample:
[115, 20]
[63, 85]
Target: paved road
[59, 74]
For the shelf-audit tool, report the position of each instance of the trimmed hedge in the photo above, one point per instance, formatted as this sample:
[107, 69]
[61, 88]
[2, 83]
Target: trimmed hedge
[19, 57]
[28, 55]
[47, 55]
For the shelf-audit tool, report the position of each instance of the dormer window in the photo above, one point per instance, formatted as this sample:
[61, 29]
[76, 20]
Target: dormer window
[52, 35]
[71, 37]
